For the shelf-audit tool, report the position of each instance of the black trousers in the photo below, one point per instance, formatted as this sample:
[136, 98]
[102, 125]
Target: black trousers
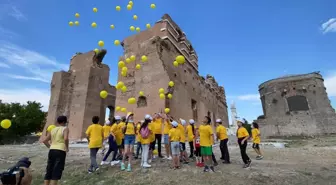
[158, 138]
[191, 146]
[224, 150]
[55, 165]
[243, 147]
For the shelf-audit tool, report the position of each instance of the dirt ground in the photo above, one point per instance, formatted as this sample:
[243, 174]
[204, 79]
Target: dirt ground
[303, 162]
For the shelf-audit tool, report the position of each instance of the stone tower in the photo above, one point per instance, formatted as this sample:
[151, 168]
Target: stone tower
[233, 114]
[194, 96]
[296, 105]
[75, 93]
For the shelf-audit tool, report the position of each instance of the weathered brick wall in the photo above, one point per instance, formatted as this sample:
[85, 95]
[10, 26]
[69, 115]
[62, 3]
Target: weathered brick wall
[320, 118]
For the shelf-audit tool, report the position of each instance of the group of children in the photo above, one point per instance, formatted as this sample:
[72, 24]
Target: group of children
[122, 133]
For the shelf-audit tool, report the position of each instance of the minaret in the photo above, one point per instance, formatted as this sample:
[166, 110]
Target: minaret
[233, 127]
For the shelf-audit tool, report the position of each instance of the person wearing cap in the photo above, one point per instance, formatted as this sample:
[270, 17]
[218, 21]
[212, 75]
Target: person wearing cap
[256, 140]
[222, 136]
[58, 143]
[166, 128]
[117, 139]
[138, 126]
[243, 136]
[145, 138]
[95, 136]
[129, 131]
[181, 127]
[158, 128]
[111, 141]
[206, 141]
[191, 136]
[175, 138]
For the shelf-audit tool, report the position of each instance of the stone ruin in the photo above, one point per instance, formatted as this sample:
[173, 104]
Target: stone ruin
[75, 93]
[296, 105]
[193, 95]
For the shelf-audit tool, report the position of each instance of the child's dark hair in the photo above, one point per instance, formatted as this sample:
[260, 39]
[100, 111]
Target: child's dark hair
[113, 120]
[255, 125]
[95, 119]
[123, 119]
[208, 120]
[145, 123]
[62, 120]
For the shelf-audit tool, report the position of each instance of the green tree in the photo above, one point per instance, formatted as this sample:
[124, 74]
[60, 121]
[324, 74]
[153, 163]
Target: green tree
[25, 118]
[247, 126]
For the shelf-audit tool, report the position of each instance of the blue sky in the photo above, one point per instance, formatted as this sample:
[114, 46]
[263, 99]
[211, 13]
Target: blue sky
[242, 43]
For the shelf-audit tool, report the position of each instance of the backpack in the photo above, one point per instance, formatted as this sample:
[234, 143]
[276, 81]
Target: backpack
[144, 132]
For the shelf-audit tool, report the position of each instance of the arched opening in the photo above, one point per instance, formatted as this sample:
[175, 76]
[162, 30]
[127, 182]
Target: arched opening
[109, 113]
[297, 103]
[142, 101]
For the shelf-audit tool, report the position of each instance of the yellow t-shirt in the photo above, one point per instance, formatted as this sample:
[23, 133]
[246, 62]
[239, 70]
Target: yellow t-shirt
[174, 135]
[138, 133]
[182, 130]
[190, 133]
[167, 127]
[255, 135]
[120, 127]
[148, 140]
[95, 132]
[152, 135]
[205, 132]
[107, 129]
[242, 132]
[115, 131]
[130, 129]
[221, 132]
[157, 126]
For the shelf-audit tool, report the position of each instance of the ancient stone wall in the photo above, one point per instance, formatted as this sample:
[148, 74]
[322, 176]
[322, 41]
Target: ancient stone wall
[75, 93]
[193, 96]
[296, 105]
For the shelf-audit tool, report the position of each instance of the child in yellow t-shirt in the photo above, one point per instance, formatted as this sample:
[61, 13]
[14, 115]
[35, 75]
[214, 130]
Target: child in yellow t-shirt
[243, 136]
[145, 138]
[222, 136]
[256, 140]
[175, 137]
[138, 137]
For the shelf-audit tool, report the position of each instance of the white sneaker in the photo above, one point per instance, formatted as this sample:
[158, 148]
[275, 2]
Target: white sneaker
[145, 165]
[150, 161]
[114, 163]
[104, 163]
[169, 158]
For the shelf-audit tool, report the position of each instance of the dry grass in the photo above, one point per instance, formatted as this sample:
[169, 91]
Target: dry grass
[301, 165]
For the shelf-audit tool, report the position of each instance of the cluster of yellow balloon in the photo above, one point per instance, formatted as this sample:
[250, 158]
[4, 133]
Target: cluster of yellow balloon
[179, 60]
[121, 86]
[71, 23]
[161, 93]
[118, 108]
[6, 123]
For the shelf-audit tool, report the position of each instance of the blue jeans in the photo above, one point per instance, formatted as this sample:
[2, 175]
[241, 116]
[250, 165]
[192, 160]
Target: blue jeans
[112, 148]
[129, 139]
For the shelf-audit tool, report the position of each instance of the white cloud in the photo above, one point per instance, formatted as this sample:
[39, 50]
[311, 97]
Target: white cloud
[39, 66]
[24, 95]
[249, 97]
[329, 26]
[5, 33]
[330, 83]
[10, 9]
[3, 65]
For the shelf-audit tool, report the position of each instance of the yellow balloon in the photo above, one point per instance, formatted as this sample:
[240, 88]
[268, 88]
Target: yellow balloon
[131, 100]
[129, 7]
[161, 90]
[167, 110]
[50, 127]
[71, 23]
[124, 73]
[170, 96]
[148, 26]
[132, 28]
[121, 64]
[135, 17]
[96, 50]
[180, 59]
[132, 58]
[121, 84]
[137, 29]
[116, 42]
[128, 60]
[123, 110]
[171, 84]
[124, 89]
[76, 23]
[124, 69]
[162, 96]
[118, 108]
[155, 152]
[118, 8]
[94, 25]
[95, 10]
[144, 58]
[103, 94]
[130, 3]
[6, 123]
[101, 43]
[112, 26]
[138, 66]
[77, 15]
[175, 63]
[141, 93]
[153, 6]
